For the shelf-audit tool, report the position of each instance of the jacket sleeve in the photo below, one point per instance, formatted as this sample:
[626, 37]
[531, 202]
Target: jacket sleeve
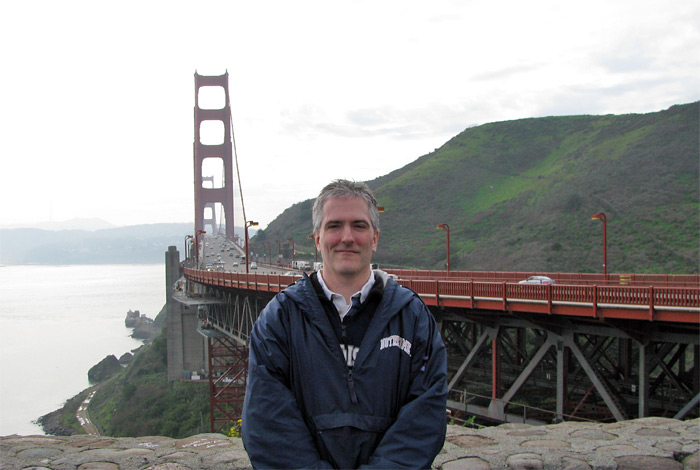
[418, 434]
[273, 429]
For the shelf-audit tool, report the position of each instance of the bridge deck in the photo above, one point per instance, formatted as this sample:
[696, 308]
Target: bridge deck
[648, 303]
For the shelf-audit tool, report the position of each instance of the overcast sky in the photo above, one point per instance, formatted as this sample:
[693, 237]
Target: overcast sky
[97, 97]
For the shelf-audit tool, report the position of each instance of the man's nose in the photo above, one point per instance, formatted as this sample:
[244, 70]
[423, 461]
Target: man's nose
[346, 234]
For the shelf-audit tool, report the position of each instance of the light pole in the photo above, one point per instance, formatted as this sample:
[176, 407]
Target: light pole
[249, 223]
[447, 229]
[313, 240]
[268, 250]
[292, 240]
[187, 254]
[196, 246]
[278, 251]
[601, 216]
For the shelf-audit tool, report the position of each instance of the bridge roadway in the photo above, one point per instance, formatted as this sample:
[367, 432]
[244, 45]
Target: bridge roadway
[584, 348]
[648, 303]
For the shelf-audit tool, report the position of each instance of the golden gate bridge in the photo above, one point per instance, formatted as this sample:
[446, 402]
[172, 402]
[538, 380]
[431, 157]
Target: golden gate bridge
[604, 347]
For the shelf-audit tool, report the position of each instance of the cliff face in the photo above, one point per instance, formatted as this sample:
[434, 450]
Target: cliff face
[648, 443]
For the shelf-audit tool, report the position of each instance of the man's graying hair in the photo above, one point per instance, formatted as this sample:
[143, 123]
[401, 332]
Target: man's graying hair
[344, 189]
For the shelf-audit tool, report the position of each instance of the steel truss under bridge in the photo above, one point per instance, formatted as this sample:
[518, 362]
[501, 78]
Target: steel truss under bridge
[226, 320]
[505, 366]
[522, 368]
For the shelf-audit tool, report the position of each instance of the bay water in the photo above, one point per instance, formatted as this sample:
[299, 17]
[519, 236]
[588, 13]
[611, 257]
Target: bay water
[56, 322]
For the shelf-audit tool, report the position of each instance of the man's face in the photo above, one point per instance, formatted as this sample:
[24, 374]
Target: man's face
[346, 238]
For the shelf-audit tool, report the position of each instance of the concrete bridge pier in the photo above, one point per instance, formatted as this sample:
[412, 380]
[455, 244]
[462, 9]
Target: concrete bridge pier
[187, 349]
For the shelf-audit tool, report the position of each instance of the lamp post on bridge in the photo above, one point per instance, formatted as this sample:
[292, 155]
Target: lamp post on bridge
[447, 229]
[267, 251]
[249, 223]
[313, 240]
[601, 216]
[187, 254]
[196, 246]
[292, 240]
[278, 251]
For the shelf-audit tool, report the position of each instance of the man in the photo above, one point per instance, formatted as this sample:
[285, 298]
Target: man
[347, 368]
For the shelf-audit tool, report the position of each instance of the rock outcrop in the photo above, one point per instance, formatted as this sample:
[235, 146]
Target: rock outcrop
[104, 369]
[144, 328]
[126, 358]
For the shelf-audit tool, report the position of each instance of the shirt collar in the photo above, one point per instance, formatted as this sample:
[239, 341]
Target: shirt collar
[334, 297]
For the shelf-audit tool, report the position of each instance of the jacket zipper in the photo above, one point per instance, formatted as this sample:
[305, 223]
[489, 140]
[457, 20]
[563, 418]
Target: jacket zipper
[351, 383]
[351, 386]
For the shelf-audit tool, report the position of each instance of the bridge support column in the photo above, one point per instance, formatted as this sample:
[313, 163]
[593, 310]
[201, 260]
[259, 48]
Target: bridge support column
[185, 348]
[643, 381]
[561, 382]
[624, 354]
[696, 369]
[495, 368]
[228, 374]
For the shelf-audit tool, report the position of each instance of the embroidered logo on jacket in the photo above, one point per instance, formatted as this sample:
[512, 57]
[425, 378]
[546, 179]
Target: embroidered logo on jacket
[350, 353]
[396, 341]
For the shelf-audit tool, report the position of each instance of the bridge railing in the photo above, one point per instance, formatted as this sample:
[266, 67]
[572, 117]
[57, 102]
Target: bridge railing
[674, 304]
[670, 280]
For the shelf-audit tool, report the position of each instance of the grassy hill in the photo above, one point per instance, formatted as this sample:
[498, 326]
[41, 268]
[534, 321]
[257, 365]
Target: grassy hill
[519, 195]
[141, 402]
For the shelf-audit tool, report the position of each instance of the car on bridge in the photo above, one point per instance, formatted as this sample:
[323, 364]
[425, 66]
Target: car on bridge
[537, 280]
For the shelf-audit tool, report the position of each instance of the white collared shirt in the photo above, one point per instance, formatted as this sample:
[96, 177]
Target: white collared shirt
[339, 301]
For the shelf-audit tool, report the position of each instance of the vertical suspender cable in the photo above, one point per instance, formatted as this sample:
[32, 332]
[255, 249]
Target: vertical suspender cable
[235, 155]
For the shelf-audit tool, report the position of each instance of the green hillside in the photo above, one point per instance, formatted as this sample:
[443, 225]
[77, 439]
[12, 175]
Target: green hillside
[519, 195]
[140, 401]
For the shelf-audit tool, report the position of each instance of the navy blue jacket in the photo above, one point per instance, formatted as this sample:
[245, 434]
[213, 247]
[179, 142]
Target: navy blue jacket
[305, 408]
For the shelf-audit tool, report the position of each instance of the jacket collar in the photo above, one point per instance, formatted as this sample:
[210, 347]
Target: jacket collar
[394, 299]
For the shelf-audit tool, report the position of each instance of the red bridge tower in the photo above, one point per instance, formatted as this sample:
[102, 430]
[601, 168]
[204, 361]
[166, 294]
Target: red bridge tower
[208, 197]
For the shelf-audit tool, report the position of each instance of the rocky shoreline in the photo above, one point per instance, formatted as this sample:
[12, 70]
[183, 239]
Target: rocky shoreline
[645, 443]
[144, 329]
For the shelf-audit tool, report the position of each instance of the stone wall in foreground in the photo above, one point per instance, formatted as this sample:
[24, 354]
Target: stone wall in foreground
[646, 443]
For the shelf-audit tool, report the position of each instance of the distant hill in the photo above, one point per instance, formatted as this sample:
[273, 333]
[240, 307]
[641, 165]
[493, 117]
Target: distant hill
[72, 224]
[136, 244]
[519, 195]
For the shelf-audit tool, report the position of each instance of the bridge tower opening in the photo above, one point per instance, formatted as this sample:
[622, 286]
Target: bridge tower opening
[209, 223]
[213, 145]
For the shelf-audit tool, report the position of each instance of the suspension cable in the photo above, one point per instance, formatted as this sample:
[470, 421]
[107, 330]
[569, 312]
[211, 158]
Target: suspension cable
[235, 154]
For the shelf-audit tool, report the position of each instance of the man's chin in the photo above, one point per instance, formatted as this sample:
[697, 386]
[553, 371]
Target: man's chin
[350, 269]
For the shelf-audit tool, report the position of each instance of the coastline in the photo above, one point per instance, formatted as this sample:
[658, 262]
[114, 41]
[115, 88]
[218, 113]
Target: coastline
[56, 422]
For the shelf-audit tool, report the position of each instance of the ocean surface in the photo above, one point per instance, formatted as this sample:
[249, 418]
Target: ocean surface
[56, 322]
